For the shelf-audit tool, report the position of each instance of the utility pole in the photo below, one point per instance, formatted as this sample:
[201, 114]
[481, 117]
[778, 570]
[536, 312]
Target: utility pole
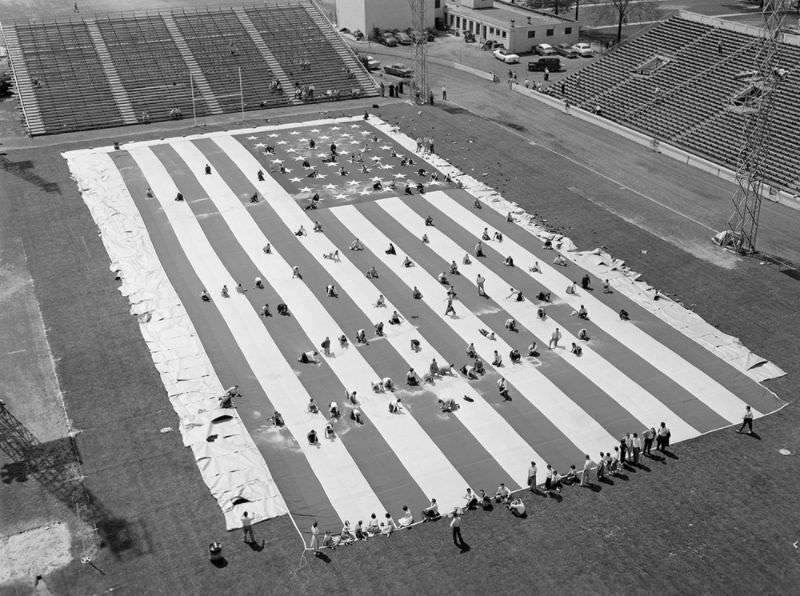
[421, 83]
[756, 107]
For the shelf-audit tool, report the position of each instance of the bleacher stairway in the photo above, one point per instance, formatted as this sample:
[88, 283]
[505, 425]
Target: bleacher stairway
[117, 90]
[24, 85]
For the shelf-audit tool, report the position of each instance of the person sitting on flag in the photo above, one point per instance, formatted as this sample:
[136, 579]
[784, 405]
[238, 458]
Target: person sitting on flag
[333, 256]
[415, 345]
[453, 268]
[429, 221]
[283, 309]
[296, 272]
[333, 410]
[254, 197]
[571, 288]
[372, 273]
[391, 250]
[265, 311]
[466, 260]
[469, 371]
[582, 313]
[364, 169]
[502, 388]
[623, 315]
[301, 231]
[543, 296]
[509, 262]
[282, 169]
[425, 239]
[208, 169]
[582, 334]
[412, 378]
[204, 296]
[477, 204]
[312, 406]
[317, 226]
[260, 175]
[576, 349]
[312, 437]
[479, 249]
[343, 341]
[381, 303]
[514, 355]
[225, 293]
[407, 262]
[312, 174]
[416, 294]
[420, 187]
[497, 236]
[511, 324]
[361, 336]
[448, 405]
[179, 197]
[267, 248]
[394, 405]
[406, 518]
[586, 282]
[377, 185]
[149, 193]
[329, 434]
[277, 419]
[407, 190]
[479, 366]
[356, 245]
[240, 288]
[379, 328]
[443, 279]
[560, 260]
[498, 360]
[342, 171]
[471, 353]
[330, 291]
[395, 318]
[535, 267]
[308, 357]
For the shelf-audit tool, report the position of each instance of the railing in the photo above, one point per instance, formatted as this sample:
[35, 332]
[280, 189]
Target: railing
[16, 81]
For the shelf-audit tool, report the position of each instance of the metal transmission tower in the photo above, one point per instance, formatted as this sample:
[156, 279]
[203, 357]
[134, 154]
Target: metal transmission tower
[756, 104]
[421, 84]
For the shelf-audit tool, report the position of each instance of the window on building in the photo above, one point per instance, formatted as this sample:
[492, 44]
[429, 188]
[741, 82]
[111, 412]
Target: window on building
[504, 34]
[567, 30]
[531, 34]
[550, 32]
[437, 4]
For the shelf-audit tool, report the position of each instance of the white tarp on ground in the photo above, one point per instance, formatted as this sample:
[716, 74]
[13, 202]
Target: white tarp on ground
[229, 461]
[604, 266]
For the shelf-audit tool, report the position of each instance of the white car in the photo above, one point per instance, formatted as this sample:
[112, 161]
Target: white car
[506, 56]
[584, 49]
[545, 49]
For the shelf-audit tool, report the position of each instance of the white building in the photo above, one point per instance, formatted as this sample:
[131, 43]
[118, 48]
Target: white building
[518, 29]
[365, 15]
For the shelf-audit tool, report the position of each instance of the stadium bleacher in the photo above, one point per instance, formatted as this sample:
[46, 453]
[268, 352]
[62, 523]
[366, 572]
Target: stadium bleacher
[676, 81]
[90, 73]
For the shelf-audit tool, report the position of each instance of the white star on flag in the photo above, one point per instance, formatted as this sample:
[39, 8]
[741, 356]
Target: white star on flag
[299, 158]
[386, 147]
[331, 164]
[387, 167]
[282, 142]
[295, 179]
[287, 170]
[291, 150]
[353, 183]
[355, 142]
[354, 126]
[376, 179]
[324, 138]
[259, 145]
[331, 186]
[322, 155]
[341, 196]
[294, 132]
[398, 175]
[321, 176]
[335, 128]
[303, 140]
[346, 135]
[364, 193]
[274, 135]
[364, 132]
[314, 130]
[305, 189]
[251, 138]
[276, 161]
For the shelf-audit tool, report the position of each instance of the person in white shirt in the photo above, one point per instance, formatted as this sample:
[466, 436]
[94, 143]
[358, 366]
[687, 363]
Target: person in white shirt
[406, 519]
[470, 500]
[389, 525]
[517, 507]
[373, 527]
[503, 494]
[532, 477]
[587, 467]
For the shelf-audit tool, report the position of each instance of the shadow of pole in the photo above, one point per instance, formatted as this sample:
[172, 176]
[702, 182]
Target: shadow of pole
[56, 467]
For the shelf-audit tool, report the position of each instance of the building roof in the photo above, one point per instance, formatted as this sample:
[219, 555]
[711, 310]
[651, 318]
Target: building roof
[501, 14]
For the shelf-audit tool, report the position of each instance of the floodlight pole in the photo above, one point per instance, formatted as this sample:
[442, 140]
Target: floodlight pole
[194, 107]
[421, 83]
[241, 92]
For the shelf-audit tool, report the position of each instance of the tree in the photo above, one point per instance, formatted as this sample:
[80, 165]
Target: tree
[622, 8]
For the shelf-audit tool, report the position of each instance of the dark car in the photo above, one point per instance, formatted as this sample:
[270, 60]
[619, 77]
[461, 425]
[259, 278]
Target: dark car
[398, 70]
[387, 39]
[551, 64]
[567, 50]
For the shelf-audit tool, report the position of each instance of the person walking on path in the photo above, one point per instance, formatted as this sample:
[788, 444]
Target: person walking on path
[247, 528]
[532, 477]
[444, 93]
[747, 421]
[315, 538]
[456, 526]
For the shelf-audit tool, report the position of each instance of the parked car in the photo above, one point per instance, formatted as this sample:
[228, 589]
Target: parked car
[398, 70]
[551, 64]
[545, 49]
[566, 50]
[402, 38]
[506, 56]
[584, 49]
[369, 62]
[388, 39]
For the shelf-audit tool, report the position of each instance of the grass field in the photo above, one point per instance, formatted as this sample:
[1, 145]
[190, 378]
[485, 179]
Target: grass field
[689, 524]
